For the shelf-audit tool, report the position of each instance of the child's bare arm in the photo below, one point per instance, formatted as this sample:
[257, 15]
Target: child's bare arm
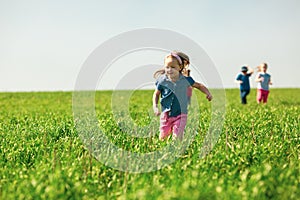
[258, 78]
[270, 82]
[155, 99]
[250, 70]
[203, 89]
[239, 81]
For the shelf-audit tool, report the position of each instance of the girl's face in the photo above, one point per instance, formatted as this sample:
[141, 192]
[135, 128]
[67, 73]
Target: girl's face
[172, 67]
[263, 68]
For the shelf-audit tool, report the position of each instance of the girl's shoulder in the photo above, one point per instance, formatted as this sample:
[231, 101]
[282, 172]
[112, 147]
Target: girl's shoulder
[190, 80]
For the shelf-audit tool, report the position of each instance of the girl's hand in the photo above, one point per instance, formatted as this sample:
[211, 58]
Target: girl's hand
[209, 97]
[156, 111]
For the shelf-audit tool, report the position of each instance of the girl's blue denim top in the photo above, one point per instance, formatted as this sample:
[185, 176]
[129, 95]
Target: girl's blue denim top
[174, 95]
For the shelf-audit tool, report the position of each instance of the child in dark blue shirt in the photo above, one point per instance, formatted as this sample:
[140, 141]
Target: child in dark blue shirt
[243, 80]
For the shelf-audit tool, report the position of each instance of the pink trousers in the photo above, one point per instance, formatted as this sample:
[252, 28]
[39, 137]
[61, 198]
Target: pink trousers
[172, 124]
[262, 95]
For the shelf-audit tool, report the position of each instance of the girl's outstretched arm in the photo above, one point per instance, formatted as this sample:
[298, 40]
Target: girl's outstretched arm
[203, 89]
[258, 78]
[155, 99]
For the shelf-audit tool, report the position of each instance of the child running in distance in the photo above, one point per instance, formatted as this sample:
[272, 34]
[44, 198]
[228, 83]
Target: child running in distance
[264, 80]
[243, 80]
[171, 88]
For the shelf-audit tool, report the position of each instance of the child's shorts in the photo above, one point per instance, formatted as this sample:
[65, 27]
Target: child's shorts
[262, 95]
[172, 124]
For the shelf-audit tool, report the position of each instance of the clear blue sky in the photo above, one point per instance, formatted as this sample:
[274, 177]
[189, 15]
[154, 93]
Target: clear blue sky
[43, 44]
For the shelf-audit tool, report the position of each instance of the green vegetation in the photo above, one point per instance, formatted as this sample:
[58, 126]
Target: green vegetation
[42, 157]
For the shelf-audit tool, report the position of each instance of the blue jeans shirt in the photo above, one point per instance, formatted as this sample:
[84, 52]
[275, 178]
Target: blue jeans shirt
[174, 95]
[245, 78]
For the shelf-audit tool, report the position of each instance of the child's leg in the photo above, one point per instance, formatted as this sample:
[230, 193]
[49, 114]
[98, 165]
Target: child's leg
[259, 95]
[265, 96]
[242, 97]
[165, 126]
[244, 94]
[179, 125]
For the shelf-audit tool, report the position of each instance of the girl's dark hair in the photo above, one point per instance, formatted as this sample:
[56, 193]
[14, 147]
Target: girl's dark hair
[183, 56]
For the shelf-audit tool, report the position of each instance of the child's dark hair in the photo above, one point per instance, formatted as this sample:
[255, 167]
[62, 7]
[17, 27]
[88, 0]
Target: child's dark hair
[183, 56]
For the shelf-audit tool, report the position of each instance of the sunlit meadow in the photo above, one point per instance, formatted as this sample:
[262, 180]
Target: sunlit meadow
[257, 155]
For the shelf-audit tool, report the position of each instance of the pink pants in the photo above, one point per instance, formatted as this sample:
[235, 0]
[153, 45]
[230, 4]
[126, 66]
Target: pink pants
[262, 95]
[172, 124]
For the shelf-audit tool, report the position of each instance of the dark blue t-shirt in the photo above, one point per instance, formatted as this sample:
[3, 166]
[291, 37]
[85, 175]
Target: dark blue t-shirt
[245, 78]
[174, 95]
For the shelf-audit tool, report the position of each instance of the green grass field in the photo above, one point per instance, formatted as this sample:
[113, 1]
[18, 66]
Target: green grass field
[42, 157]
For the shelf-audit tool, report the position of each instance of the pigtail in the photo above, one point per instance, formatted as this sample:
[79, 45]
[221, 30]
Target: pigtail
[158, 73]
